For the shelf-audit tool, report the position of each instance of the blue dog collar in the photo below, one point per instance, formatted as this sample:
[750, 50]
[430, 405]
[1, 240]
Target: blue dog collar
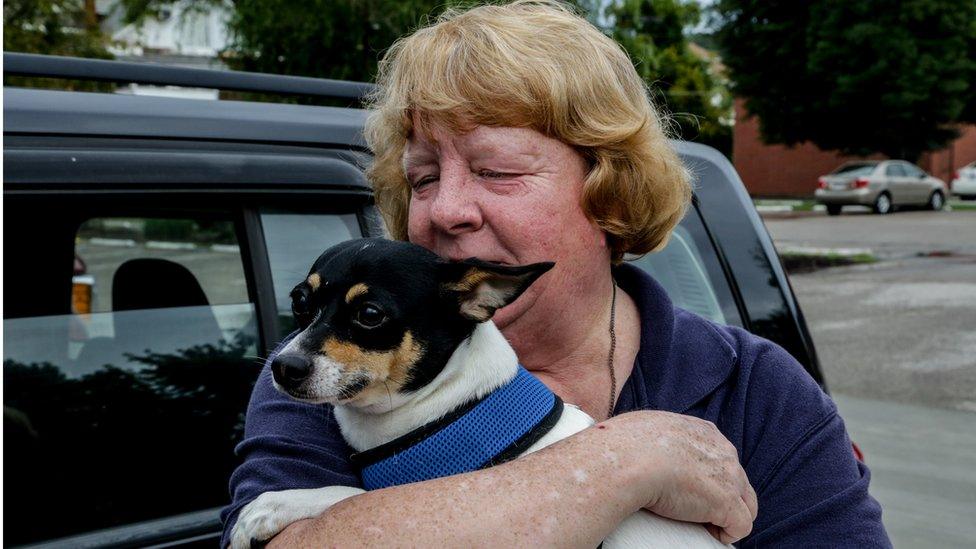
[483, 433]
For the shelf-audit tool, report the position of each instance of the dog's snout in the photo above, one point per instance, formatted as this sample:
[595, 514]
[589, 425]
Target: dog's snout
[291, 370]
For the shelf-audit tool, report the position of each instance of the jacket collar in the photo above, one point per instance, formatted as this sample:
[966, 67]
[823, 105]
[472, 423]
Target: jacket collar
[682, 359]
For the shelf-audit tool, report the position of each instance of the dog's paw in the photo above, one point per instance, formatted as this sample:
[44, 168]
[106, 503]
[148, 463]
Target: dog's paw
[272, 512]
[261, 519]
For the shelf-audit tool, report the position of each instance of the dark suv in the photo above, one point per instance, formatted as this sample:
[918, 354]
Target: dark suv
[150, 244]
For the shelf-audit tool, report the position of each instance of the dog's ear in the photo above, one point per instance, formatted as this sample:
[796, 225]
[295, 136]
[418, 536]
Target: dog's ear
[481, 288]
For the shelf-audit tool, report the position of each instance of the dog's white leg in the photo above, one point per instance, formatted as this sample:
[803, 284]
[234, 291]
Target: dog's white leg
[648, 531]
[272, 512]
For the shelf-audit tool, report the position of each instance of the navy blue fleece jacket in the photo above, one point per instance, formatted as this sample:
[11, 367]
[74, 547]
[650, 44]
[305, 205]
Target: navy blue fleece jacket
[791, 441]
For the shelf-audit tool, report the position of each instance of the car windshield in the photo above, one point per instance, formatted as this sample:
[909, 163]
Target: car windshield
[855, 169]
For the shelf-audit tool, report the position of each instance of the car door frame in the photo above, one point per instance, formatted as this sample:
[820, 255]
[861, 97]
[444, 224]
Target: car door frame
[755, 273]
[43, 166]
[739, 238]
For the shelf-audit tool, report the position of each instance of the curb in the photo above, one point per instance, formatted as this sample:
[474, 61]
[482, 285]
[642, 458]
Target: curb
[815, 251]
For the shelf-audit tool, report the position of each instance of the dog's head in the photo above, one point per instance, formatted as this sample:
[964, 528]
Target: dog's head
[381, 317]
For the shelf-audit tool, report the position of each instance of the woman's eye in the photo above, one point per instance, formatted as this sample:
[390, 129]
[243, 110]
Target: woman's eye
[369, 316]
[495, 175]
[423, 181]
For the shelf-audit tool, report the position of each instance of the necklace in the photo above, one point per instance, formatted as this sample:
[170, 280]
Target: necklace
[613, 347]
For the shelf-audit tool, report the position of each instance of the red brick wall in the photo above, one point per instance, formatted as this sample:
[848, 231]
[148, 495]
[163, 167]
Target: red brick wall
[779, 171]
[944, 163]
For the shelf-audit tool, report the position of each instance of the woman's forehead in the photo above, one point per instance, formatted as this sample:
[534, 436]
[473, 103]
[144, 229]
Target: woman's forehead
[481, 140]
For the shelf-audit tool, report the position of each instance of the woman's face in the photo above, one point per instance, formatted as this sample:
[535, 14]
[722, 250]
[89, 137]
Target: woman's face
[509, 195]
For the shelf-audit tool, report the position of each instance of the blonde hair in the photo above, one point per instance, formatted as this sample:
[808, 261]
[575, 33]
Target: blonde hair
[533, 64]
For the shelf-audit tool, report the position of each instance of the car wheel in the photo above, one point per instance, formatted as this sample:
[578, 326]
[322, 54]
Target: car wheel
[882, 204]
[936, 201]
[834, 209]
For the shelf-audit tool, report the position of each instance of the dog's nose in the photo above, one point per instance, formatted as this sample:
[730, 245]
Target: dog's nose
[291, 370]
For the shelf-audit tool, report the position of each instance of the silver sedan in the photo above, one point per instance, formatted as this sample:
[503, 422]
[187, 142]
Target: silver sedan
[880, 184]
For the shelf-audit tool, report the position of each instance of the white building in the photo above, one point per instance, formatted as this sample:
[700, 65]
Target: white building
[186, 34]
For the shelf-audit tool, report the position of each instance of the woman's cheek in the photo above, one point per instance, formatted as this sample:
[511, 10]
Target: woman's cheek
[417, 217]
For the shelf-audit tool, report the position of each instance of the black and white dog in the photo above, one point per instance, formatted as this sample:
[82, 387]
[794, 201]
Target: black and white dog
[399, 340]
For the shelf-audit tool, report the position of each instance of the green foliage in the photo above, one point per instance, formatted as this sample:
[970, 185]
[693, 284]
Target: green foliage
[690, 87]
[53, 27]
[340, 39]
[344, 39]
[190, 230]
[325, 38]
[888, 76]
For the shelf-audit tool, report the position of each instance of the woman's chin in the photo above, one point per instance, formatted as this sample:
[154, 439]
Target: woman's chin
[506, 316]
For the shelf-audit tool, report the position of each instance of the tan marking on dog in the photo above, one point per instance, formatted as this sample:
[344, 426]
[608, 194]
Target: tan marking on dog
[356, 290]
[470, 280]
[392, 366]
[314, 280]
[479, 301]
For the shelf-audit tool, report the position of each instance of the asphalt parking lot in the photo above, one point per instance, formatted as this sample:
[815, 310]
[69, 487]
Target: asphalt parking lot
[897, 343]
[900, 329]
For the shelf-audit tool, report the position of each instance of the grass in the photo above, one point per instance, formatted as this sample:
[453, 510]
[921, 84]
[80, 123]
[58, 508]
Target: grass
[801, 262]
[797, 204]
[962, 206]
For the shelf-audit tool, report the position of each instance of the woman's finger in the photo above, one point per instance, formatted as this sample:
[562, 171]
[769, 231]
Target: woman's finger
[751, 501]
[737, 523]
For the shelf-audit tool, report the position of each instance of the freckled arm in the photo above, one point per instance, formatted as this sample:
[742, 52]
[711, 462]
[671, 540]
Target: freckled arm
[571, 494]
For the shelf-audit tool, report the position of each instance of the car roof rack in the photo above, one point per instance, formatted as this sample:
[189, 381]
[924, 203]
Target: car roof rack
[102, 70]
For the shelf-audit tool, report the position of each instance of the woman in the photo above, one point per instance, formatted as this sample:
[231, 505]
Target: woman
[520, 133]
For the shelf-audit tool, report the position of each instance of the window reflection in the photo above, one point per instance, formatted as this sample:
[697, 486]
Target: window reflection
[128, 408]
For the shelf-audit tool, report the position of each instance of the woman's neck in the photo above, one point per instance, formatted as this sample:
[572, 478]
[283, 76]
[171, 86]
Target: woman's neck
[568, 349]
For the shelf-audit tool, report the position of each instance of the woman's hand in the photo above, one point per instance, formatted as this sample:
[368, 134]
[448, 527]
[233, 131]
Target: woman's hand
[690, 470]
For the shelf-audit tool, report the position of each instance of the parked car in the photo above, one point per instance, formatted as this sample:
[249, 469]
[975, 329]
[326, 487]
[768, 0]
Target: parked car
[882, 185]
[191, 220]
[964, 183]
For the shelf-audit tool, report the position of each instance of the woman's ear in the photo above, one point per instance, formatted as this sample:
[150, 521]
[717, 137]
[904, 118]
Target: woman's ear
[480, 288]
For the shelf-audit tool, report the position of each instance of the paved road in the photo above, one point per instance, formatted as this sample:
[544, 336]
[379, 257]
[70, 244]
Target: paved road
[897, 342]
[902, 330]
[922, 469]
[897, 235]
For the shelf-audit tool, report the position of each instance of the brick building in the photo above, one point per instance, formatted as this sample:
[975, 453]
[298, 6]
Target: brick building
[780, 171]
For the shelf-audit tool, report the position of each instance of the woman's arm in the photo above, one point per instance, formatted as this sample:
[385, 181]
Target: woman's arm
[572, 493]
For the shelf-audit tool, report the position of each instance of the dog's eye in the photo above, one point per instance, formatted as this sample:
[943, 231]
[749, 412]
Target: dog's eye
[369, 316]
[301, 307]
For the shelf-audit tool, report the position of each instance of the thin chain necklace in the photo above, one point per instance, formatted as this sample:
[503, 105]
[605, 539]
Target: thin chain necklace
[613, 347]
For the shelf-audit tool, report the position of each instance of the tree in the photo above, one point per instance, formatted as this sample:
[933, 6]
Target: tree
[653, 33]
[54, 27]
[888, 76]
[340, 39]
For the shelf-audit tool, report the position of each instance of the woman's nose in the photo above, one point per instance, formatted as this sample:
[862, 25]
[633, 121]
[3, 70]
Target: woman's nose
[455, 209]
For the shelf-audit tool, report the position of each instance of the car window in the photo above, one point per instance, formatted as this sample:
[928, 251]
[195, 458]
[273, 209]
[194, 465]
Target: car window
[127, 407]
[689, 269]
[295, 240]
[912, 171]
[855, 169]
[895, 170]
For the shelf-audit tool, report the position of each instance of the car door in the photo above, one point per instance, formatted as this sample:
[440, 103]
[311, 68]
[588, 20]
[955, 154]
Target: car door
[917, 180]
[897, 183]
[133, 325]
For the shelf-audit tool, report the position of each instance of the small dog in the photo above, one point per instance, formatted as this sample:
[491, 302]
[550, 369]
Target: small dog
[397, 339]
